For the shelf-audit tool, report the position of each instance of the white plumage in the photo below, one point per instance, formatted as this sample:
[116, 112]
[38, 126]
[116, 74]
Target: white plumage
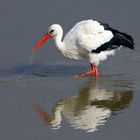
[84, 37]
[88, 39]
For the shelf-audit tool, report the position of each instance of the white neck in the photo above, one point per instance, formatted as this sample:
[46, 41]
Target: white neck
[58, 40]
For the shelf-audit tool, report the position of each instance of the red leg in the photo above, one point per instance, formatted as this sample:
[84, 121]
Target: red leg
[94, 70]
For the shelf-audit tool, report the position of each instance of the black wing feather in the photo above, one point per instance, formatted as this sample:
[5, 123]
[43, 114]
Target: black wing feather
[119, 39]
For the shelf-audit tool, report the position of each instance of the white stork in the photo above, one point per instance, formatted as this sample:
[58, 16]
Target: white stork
[88, 39]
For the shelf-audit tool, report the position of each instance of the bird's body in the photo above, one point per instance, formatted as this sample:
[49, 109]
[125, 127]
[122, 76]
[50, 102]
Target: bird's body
[84, 37]
[90, 40]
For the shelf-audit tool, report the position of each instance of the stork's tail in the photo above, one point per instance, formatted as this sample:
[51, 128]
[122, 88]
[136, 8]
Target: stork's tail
[126, 40]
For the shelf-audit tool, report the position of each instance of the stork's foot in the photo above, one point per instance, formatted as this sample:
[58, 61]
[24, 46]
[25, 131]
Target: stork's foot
[94, 71]
[90, 73]
[87, 73]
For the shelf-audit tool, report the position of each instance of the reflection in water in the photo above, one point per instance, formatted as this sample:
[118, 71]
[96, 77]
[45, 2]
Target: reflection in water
[89, 109]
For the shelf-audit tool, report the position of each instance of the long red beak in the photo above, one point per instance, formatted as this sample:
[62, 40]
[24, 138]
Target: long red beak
[41, 42]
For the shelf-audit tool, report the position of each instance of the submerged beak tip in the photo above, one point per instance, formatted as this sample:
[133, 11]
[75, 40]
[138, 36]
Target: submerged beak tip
[33, 51]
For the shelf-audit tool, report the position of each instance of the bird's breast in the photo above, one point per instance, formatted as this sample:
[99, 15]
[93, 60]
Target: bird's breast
[73, 52]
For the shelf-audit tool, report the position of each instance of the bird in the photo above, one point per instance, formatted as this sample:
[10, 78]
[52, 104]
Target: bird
[87, 39]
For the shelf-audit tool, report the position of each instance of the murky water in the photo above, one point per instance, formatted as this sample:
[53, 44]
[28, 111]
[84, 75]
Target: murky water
[39, 96]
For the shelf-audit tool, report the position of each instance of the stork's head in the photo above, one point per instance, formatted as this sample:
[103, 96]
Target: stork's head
[53, 31]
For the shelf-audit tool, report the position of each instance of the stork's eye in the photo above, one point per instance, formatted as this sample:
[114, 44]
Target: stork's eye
[51, 31]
